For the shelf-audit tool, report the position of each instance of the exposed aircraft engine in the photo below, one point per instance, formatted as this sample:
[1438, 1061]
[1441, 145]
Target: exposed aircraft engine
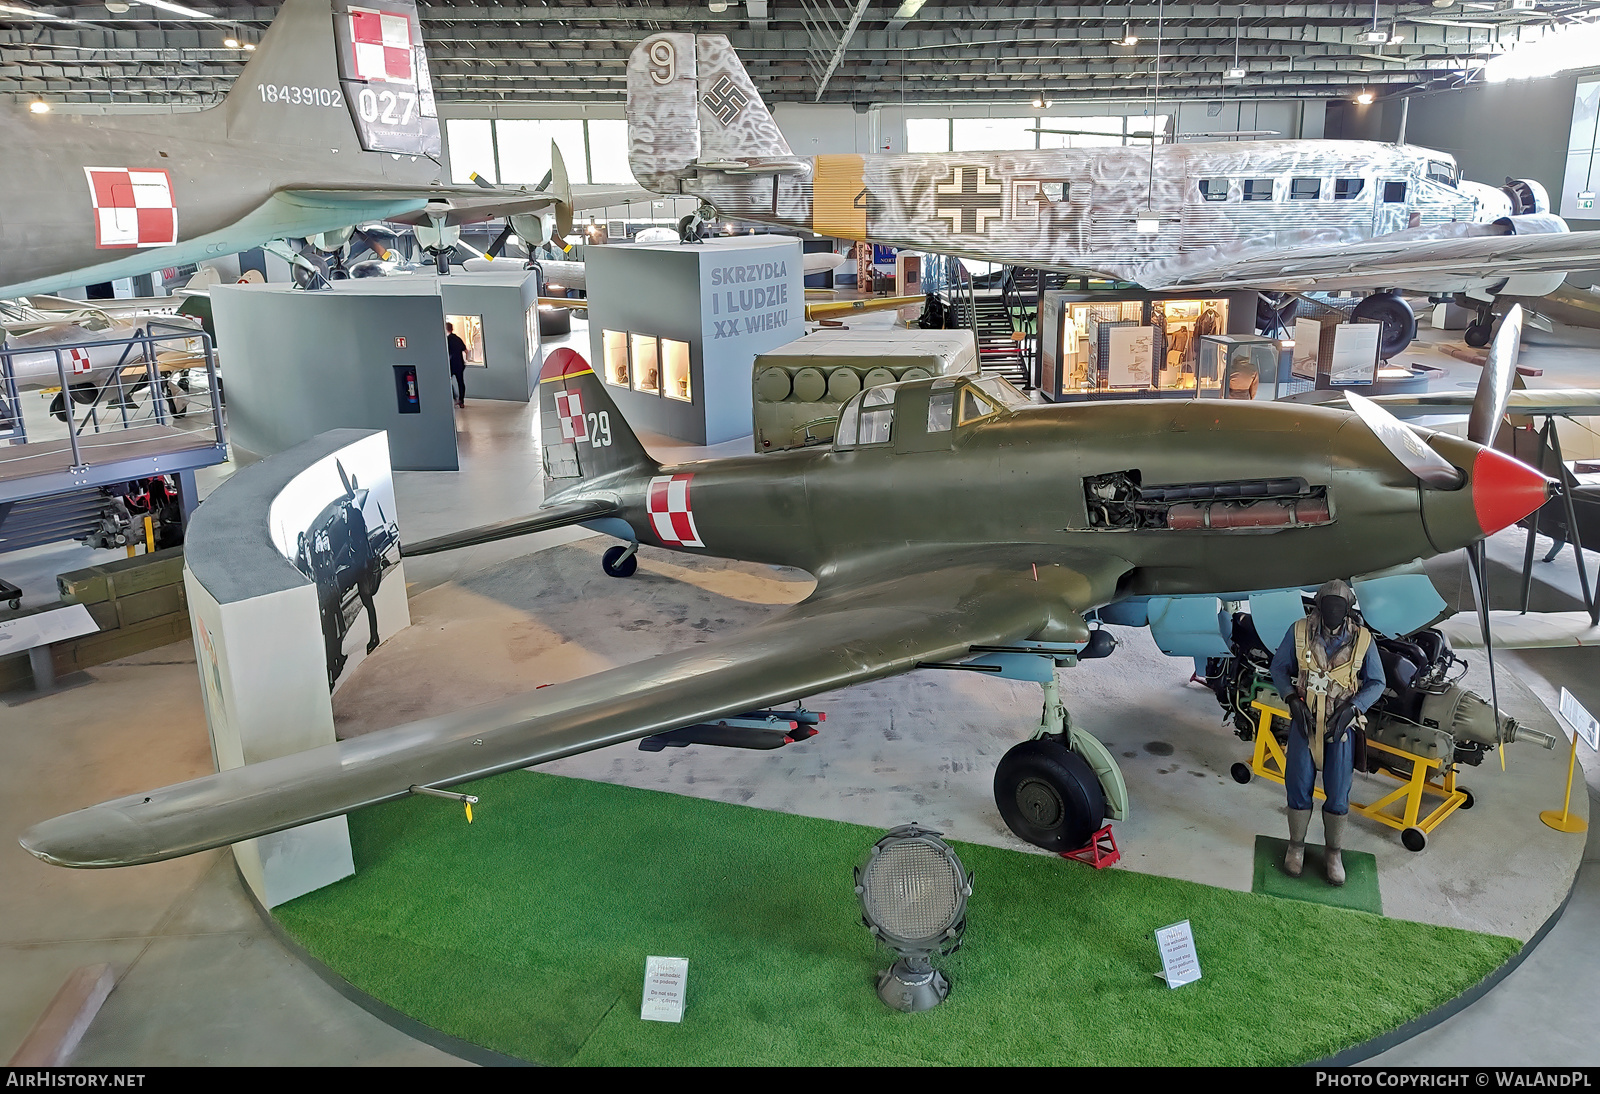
[1423, 710]
[1527, 196]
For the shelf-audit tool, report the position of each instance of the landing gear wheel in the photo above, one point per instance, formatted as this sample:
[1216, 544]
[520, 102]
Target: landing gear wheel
[1399, 321]
[1049, 796]
[1477, 334]
[1240, 772]
[1471, 801]
[1415, 839]
[1275, 312]
[614, 564]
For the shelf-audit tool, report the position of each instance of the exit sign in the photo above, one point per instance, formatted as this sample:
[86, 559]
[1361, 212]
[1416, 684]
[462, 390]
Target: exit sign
[399, 342]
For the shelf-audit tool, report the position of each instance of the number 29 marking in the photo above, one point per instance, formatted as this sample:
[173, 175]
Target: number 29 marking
[599, 430]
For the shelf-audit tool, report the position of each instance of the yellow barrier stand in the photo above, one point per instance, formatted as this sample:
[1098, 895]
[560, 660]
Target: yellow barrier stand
[1269, 762]
[1564, 821]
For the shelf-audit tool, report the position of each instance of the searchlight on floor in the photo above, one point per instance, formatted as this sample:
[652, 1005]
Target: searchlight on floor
[914, 892]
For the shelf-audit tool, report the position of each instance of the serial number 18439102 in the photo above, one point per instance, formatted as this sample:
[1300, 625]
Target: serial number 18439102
[299, 96]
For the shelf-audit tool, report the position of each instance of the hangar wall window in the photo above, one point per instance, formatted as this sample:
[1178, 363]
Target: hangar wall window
[608, 151]
[1394, 191]
[1093, 132]
[1348, 189]
[952, 134]
[927, 134]
[1214, 189]
[471, 149]
[1258, 189]
[1305, 189]
[992, 134]
[524, 146]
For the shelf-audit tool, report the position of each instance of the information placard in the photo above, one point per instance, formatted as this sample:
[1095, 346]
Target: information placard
[664, 982]
[1584, 723]
[25, 632]
[1179, 963]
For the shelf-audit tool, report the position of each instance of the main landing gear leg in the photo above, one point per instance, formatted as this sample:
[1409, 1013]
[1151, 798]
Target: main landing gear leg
[1057, 789]
[621, 561]
[690, 227]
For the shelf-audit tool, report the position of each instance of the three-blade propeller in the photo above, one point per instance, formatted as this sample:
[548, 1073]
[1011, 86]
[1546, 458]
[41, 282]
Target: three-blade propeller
[1433, 470]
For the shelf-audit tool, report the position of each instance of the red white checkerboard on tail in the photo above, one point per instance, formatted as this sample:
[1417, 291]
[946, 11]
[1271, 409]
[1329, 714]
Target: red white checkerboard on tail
[133, 207]
[78, 361]
[381, 44]
[569, 410]
[671, 518]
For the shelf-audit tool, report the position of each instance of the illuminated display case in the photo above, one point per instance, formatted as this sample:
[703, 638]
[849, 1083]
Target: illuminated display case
[1237, 366]
[1082, 355]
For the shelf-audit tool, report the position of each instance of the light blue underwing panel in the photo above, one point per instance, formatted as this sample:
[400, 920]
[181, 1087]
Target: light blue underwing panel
[1187, 626]
[1274, 613]
[1399, 603]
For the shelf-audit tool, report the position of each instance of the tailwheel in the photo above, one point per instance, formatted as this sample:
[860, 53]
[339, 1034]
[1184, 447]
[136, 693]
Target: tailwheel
[1477, 334]
[621, 561]
[1049, 796]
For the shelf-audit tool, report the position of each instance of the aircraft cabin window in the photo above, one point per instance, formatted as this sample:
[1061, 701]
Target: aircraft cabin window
[1258, 189]
[1305, 189]
[1443, 172]
[941, 404]
[877, 416]
[1052, 191]
[1394, 191]
[1348, 189]
[1214, 189]
[975, 406]
[844, 434]
[1001, 391]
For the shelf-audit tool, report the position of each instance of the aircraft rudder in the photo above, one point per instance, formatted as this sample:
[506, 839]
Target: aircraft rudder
[582, 433]
[663, 118]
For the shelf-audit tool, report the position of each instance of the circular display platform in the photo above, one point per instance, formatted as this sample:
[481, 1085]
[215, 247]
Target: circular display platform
[527, 931]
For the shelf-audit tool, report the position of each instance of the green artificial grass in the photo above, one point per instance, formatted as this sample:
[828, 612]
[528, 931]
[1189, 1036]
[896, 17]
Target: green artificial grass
[527, 933]
[1359, 891]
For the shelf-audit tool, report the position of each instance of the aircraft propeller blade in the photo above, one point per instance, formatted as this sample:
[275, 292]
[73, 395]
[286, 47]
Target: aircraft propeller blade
[562, 191]
[1404, 444]
[499, 243]
[1494, 389]
[374, 245]
[1478, 565]
[349, 486]
[480, 181]
[544, 183]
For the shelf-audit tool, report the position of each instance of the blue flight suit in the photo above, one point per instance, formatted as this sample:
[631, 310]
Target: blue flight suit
[1338, 767]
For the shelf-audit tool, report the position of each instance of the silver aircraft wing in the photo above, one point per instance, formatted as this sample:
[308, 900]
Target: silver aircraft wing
[1419, 264]
[852, 633]
[1563, 402]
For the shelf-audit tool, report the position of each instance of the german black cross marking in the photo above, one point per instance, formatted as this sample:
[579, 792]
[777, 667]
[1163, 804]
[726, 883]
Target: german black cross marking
[968, 200]
[725, 101]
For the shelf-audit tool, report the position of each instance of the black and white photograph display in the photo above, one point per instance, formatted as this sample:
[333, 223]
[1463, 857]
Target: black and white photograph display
[336, 523]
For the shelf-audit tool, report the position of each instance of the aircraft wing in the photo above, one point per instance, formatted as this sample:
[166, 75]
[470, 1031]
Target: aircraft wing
[1515, 631]
[1569, 402]
[855, 631]
[558, 515]
[471, 204]
[1411, 263]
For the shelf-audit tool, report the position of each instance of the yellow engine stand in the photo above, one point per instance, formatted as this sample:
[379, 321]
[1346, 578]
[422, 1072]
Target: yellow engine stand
[1400, 809]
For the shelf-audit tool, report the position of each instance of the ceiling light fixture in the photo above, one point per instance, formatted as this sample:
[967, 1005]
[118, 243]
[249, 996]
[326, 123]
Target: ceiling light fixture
[39, 106]
[117, 7]
[231, 43]
[178, 9]
[718, 6]
[914, 892]
[249, 47]
[1365, 98]
[33, 13]
[1040, 102]
[1128, 37]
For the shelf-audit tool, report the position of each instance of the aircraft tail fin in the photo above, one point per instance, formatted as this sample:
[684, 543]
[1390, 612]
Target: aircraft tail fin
[583, 435]
[339, 77]
[689, 100]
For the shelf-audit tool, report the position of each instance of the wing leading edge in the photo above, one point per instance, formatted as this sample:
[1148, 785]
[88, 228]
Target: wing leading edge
[844, 636]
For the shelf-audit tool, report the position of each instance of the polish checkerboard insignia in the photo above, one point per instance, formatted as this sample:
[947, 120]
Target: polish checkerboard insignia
[968, 199]
[569, 409]
[132, 208]
[78, 359]
[381, 42]
[667, 502]
[725, 100]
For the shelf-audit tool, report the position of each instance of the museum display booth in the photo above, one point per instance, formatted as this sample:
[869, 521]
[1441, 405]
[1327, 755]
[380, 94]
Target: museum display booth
[1126, 343]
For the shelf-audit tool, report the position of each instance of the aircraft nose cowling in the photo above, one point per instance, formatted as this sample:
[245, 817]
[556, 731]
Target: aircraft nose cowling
[1504, 490]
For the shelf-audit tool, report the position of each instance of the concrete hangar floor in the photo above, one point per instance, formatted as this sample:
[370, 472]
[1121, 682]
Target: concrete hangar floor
[201, 979]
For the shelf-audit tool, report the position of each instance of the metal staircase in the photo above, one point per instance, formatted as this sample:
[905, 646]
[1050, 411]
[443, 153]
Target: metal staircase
[994, 312]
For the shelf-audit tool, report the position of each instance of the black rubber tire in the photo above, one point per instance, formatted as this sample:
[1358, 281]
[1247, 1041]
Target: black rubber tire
[624, 568]
[58, 407]
[1399, 321]
[1049, 796]
[1471, 800]
[1415, 839]
[1241, 773]
[554, 321]
[1477, 335]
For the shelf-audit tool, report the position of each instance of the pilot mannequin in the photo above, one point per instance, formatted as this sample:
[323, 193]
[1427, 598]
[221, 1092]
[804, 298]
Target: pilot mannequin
[1329, 672]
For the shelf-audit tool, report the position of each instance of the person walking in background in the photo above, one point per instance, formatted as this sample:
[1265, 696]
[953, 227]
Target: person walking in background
[457, 349]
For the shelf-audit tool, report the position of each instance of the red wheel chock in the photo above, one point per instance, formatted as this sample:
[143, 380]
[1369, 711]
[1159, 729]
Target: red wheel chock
[1100, 852]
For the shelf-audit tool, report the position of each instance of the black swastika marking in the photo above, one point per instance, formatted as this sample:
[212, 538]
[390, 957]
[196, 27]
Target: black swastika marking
[725, 101]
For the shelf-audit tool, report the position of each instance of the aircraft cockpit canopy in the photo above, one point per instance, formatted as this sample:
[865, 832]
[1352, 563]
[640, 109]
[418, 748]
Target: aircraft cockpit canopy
[869, 418]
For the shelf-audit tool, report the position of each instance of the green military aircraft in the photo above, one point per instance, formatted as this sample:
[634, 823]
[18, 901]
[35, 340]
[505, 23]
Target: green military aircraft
[951, 523]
